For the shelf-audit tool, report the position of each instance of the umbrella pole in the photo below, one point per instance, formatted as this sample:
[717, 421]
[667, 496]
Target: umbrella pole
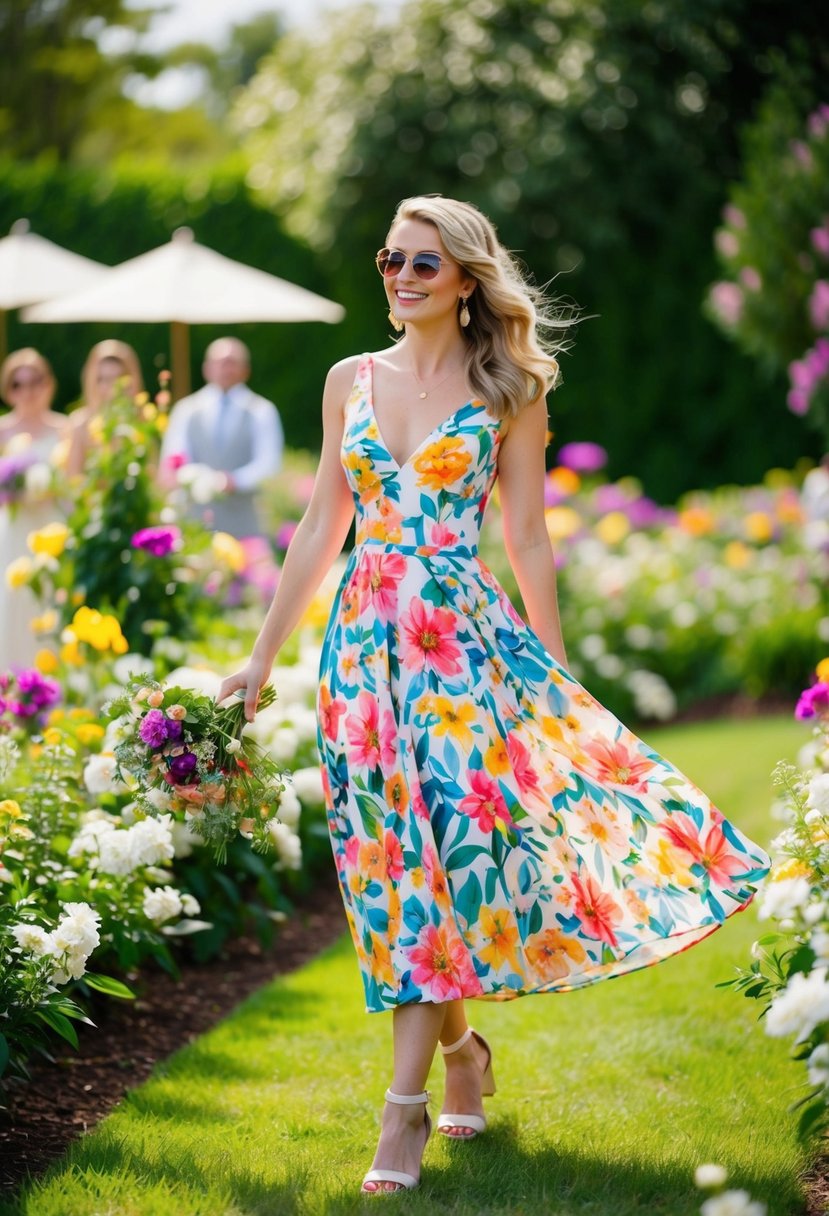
[180, 343]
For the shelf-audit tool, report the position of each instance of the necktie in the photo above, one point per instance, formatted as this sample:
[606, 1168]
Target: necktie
[223, 421]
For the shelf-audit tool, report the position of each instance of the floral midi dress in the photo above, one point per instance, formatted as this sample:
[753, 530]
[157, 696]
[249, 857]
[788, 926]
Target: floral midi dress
[496, 831]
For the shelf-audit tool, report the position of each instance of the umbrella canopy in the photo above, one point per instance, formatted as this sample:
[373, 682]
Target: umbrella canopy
[34, 269]
[188, 284]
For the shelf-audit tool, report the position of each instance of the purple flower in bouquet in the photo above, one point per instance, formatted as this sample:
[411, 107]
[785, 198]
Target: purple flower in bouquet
[174, 730]
[153, 729]
[13, 476]
[183, 768]
[159, 541]
[583, 457]
[813, 702]
[35, 693]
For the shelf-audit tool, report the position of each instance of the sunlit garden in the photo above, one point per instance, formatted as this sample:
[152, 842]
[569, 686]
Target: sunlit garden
[665, 169]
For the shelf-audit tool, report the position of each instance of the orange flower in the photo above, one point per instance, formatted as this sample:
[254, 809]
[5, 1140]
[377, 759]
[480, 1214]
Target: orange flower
[550, 954]
[496, 757]
[372, 861]
[442, 463]
[501, 932]
[397, 793]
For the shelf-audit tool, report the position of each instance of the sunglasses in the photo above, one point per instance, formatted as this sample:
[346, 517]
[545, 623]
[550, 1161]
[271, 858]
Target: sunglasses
[33, 383]
[425, 265]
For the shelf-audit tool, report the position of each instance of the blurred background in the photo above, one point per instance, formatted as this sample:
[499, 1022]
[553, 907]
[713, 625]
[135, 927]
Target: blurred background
[618, 145]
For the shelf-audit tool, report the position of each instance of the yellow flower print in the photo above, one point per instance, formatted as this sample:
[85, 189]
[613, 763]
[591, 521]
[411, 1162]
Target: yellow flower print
[368, 482]
[501, 933]
[395, 914]
[550, 954]
[670, 865]
[454, 719]
[496, 757]
[381, 967]
[442, 463]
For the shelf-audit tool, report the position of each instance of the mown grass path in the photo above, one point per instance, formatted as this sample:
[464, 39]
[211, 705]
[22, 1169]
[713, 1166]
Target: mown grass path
[608, 1098]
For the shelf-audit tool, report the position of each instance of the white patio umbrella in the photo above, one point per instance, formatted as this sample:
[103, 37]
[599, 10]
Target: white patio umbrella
[34, 269]
[188, 284]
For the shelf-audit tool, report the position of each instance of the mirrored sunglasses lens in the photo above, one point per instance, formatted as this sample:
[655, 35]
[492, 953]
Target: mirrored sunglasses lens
[394, 263]
[426, 265]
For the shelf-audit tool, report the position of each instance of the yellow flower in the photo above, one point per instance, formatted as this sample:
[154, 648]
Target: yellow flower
[758, 526]
[19, 572]
[697, 521]
[454, 719]
[99, 630]
[442, 463]
[822, 671]
[9, 809]
[47, 623]
[227, 549]
[89, 732]
[500, 931]
[737, 555]
[562, 522]
[496, 758]
[52, 736]
[790, 869]
[55, 716]
[613, 527]
[47, 662]
[50, 540]
[161, 423]
[70, 651]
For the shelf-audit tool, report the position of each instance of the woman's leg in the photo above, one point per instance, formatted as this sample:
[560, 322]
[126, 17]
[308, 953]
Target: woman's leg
[464, 1069]
[403, 1133]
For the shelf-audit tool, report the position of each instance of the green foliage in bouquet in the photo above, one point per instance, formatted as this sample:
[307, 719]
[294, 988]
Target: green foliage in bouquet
[180, 752]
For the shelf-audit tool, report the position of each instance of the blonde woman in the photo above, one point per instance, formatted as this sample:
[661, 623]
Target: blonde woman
[29, 438]
[110, 366]
[497, 832]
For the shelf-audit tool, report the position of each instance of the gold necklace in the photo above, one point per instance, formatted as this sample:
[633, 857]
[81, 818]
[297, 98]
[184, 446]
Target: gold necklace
[425, 393]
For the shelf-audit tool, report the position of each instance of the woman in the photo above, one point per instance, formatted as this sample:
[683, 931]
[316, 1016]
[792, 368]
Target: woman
[496, 831]
[110, 365]
[29, 435]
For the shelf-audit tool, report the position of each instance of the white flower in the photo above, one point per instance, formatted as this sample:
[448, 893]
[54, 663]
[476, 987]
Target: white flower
[99, 775]
[289, 807]
[800, 1007]
[33, 939]
[159, 799]
[308, 785]
[304, 722]
[183, 838]
[780, 900]
[288, 847]
[190, 906]
[77, 930]
[652, 696]
[162, 903]
[70, 966]
[710, 1175]
[818, 1064]
[732, 1203]
[233, 746]
[815, 913]
[818, 796]
[819, 941]
[38, 478]
[197, 679]
[284, 744]
[127, 665]
[201, 481]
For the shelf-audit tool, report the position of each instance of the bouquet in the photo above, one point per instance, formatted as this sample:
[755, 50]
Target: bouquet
[24, 477]
[180, 752]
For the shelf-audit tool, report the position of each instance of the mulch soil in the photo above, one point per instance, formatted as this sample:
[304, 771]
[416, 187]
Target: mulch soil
[68, 1096]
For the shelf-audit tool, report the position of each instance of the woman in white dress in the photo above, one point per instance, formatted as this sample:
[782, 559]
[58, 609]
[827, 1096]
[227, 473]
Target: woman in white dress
[109, 364]
[31, 430]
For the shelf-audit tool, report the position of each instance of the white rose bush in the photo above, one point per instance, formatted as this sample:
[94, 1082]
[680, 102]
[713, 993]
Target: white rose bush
[790, 971]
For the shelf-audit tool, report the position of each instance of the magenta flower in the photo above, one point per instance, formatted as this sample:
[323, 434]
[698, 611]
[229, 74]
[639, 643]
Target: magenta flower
[813, 702]
[34, 694]
[820, 240]
[583, 457]
[819, 305]
[159, 541]
[285, 534]
[153, 729]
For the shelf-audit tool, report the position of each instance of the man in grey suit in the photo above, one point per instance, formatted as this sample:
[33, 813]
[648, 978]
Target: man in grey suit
[229, 428]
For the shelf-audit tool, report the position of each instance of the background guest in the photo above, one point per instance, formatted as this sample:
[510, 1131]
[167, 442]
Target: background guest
[108, 363]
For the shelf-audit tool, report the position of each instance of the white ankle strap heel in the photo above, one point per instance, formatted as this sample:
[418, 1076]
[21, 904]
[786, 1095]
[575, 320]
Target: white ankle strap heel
[448, 1123]
[402, 1181]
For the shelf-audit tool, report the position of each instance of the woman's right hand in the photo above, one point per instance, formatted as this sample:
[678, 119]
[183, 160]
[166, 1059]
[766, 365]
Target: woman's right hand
[248, 681]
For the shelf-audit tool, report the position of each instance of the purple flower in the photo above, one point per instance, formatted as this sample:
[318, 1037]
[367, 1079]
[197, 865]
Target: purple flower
[174, 729]
[35, 693]
[153, 729]
[819, 305]
[610, 498]
[820, 240]
[583, 457]
[813, 701]
[182, 768]
[158, 541]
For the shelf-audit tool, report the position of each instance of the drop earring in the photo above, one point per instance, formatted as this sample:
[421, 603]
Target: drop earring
[463, 315]
[398, 325]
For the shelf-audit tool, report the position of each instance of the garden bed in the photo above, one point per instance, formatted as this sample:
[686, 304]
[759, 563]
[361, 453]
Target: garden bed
[70, 1094]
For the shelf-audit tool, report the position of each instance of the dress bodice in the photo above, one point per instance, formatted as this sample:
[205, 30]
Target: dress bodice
[436, 499]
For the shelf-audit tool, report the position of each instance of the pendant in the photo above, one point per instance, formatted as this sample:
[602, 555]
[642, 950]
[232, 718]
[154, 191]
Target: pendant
[423, 396]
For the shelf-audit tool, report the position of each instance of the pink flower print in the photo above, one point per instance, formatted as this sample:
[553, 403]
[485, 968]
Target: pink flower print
[372, 745]
[394, 856]
[521, 763]
[485, 803]
[378, 580]
[617, 764]
[426, 638]
[330, 711]
[442, 966]
[597, 911]
[441, 536]
[352, 852]
[713, 853]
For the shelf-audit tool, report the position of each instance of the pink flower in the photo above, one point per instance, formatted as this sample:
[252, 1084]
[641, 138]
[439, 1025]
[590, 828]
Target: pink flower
[330, 711]
[726, 243]
[441, 535]
[522, 766]
[616, 764]
[750, 278]
[820, 240]
[713, 853]
[394, 856]
[813, 702]
[583, 457]
[726, 299]
[819, 305]
[597, 911]
[159, 541]
[371, 744]
[377, 582]
[486, 802]
[442, 965]
[426, 639]
[734, 216]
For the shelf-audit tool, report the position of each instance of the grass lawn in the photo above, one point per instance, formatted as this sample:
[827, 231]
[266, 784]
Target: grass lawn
[608, 1098]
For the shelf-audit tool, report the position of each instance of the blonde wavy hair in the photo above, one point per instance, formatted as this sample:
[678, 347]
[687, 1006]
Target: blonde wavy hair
[509, 364]
[118, 352]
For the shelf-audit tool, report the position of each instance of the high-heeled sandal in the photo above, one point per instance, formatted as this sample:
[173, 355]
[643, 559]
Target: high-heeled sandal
[448, 1123]
[405, 1182]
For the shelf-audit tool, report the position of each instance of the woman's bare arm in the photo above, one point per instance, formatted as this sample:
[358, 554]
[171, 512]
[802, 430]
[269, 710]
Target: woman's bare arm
[521, 475]
[317, 541]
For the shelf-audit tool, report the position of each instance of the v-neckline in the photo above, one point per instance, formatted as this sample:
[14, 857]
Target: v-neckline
[434, 431]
